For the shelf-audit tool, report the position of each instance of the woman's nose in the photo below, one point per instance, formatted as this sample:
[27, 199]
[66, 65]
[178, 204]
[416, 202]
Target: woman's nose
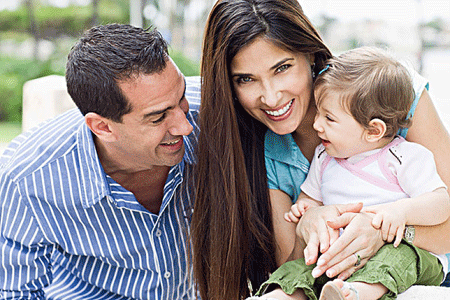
[271, 98]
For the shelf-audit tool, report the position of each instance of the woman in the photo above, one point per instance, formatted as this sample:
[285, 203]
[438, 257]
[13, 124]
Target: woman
[258, 65]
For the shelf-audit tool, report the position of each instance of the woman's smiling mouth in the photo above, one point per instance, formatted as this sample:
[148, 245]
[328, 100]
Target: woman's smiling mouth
[279, 112]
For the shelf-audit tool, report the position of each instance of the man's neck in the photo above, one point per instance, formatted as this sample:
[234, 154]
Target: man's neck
[147, 185]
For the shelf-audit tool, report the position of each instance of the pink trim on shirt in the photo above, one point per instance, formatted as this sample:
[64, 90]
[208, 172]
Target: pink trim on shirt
[389, 183]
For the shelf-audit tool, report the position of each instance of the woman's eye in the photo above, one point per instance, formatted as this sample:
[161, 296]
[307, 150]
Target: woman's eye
[329, 118]
[282, 68]
[244, 79]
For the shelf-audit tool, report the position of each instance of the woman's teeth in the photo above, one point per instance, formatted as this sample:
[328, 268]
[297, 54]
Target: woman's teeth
[281, 111]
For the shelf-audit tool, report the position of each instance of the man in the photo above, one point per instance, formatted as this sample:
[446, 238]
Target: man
[97, 204]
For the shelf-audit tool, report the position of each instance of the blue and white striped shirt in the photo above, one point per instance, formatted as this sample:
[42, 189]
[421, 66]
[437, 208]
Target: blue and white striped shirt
[69, 231]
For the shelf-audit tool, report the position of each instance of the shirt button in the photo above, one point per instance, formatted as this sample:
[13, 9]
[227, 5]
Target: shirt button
[158, 232]
[167, 275]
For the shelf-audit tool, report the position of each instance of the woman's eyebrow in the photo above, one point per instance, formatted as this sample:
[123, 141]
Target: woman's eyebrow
[281, 62]
[274, 67]
[241, 74]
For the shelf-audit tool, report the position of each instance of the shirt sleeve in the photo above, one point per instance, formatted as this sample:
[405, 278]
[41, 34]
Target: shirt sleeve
[25, 257]
[271, 174]
[419, 85]
[311, 186]
[417, 173]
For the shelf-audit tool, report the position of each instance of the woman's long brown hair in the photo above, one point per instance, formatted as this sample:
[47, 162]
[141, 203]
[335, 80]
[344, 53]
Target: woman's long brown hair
[232, 232]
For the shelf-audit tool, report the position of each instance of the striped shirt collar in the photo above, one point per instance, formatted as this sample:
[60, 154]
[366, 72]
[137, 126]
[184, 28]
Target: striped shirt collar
[93, 170]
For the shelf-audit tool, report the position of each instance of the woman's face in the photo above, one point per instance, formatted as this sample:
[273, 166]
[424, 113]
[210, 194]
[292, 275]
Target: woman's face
[273, 85]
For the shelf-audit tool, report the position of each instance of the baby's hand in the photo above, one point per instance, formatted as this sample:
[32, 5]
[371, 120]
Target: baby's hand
[391, 222]
[297, 210]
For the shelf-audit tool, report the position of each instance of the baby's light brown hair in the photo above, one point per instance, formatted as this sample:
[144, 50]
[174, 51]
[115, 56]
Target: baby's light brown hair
[371, 84]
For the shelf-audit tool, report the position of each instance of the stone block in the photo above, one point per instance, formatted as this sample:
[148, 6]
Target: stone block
[43, 99]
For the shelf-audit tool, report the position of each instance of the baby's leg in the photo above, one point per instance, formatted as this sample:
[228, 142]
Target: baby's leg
[280, 295]
[337, 290]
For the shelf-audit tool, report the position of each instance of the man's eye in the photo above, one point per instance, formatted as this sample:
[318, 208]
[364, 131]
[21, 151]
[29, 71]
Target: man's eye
[160, 119]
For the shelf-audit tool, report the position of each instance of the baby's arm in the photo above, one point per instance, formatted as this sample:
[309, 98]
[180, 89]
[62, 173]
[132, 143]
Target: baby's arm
[427, 209]
[303, 203]
[415, 169]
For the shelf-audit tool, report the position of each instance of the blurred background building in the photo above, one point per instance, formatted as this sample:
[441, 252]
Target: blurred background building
[36, 35]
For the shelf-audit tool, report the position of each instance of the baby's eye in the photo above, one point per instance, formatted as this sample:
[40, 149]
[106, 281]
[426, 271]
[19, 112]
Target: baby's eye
[329, 118]
[282, 68]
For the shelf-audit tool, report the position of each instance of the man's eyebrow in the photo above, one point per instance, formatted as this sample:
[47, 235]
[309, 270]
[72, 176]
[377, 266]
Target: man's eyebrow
[158, 112]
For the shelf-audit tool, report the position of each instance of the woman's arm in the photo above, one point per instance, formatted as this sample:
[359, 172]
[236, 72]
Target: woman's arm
[428, 130]
[428, 209]
[284, 232]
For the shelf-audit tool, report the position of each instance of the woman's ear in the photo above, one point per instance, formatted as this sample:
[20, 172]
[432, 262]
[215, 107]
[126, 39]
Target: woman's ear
[376, 130]
[100, 126]
[312, 59]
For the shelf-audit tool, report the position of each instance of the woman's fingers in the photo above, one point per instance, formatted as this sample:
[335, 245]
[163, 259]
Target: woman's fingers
[348, 263]
[313, 229]
[349, 208]
[311, 249]
[359, 237]
[334, 235]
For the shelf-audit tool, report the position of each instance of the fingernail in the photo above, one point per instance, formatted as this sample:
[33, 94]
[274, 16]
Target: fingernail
[315, 273]
[321, 262]
[331, 273]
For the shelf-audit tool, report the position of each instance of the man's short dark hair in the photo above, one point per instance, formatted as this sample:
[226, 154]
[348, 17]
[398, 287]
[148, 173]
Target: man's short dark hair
[105, 55]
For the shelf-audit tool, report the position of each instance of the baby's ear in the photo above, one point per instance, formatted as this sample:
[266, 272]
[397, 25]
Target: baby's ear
[376, 130]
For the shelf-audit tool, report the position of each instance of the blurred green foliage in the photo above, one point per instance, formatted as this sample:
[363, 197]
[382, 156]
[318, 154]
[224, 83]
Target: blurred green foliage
[186, 66]
[14, 73]
[73, 20]
[62, 26]
[8, 131]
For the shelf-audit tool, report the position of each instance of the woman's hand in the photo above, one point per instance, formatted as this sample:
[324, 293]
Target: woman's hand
[313, 229]
[360, 238]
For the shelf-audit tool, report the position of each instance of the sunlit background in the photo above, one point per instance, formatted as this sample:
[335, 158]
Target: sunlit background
[36, 35]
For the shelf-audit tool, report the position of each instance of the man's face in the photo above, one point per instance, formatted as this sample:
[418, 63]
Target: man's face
[152, 133]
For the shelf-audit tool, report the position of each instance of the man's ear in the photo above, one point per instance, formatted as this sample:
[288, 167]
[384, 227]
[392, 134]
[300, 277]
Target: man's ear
[376, 130]
[100, 126]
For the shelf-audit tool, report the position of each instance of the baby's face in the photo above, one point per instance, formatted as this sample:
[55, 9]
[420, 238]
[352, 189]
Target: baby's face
[341, 135]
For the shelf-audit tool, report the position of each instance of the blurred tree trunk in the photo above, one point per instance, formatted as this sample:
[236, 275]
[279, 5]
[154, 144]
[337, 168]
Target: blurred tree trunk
[136, 13]
[33, 27]
[177, 23]
[95, 16]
